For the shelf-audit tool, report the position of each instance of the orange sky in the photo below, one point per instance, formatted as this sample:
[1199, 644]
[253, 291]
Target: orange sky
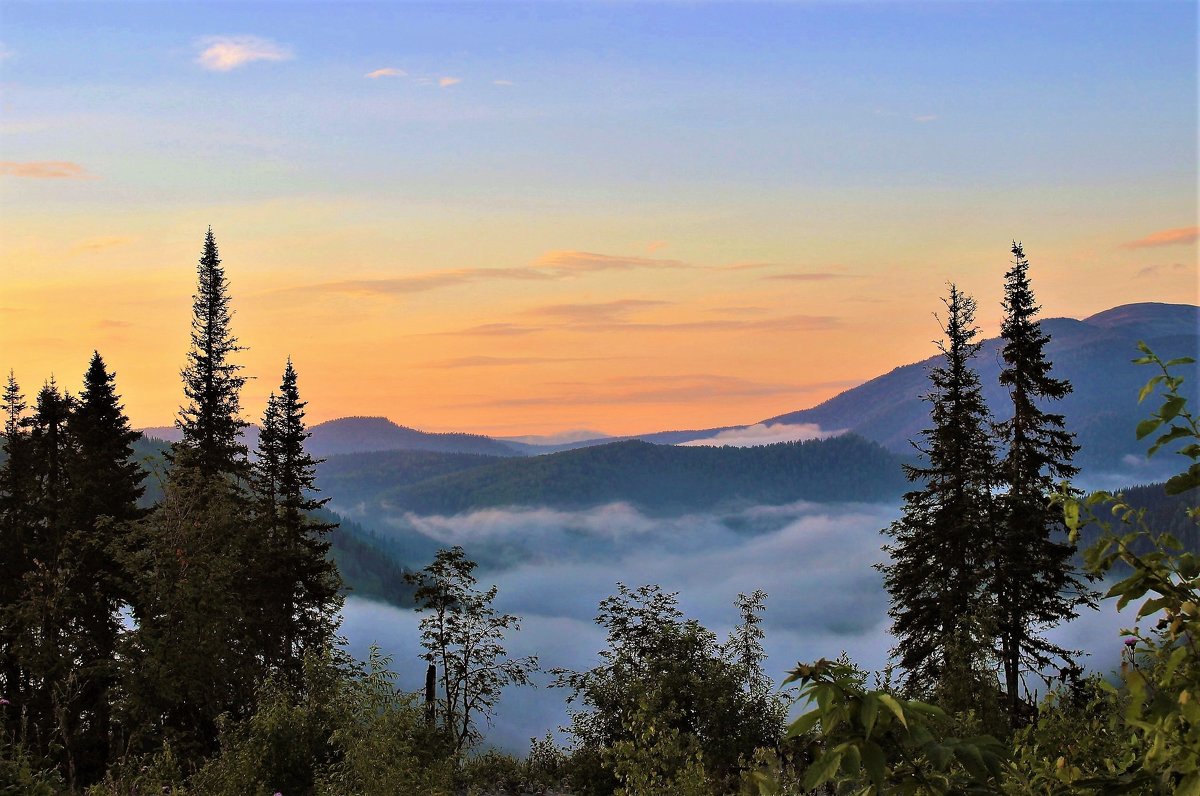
[525, 220]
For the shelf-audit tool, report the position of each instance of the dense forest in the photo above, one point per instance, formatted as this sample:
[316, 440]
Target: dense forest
[169, 615]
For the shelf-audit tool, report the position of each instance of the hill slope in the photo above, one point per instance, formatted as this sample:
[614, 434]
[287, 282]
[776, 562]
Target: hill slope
[662, 478]
[1093, 354]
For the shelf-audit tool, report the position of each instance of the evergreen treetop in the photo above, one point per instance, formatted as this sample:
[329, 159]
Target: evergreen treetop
[211, 422]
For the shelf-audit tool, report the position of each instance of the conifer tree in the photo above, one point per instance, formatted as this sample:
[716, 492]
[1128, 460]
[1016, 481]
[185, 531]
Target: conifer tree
[1033, 577]
[210, 421]
[105, 485]
[300, 582]
[936, 574]
[17, 524]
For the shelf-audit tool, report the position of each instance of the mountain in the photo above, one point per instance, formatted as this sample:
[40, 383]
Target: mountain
[663, 478]
[1093, 354]
[366, 434]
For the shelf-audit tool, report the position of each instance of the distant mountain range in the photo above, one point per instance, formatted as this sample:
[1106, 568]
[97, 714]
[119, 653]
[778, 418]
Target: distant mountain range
[1093, 354]
[654, 478]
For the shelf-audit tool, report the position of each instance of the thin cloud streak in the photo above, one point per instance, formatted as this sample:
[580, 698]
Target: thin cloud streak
[385, 72]
[102, 243]
[659, 390]
[493, 362]
[808, 276]
[446, 82]
[552, 265]
[226, 53]
[1165, 237]
[45, 170]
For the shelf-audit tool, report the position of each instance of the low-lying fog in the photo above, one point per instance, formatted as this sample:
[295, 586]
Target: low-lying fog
[553, 568]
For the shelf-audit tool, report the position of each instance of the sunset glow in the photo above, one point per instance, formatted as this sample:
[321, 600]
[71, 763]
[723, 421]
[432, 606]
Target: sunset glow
[523, 219]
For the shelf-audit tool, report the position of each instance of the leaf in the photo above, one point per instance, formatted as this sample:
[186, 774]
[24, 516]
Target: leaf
[1181, 361]
[891, 704]
[869, 712]
[1149, 388]
[874, 763]
[1172, 406]
[1071, 514]
[822, 769]
[1148, 426]
[804, 724]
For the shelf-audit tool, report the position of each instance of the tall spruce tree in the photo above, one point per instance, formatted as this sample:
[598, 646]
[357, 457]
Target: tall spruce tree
[198, 650]
[17, 526]
[105, 483]
[210, 421]
[300, 583]
[1033, 578]
[937, 568]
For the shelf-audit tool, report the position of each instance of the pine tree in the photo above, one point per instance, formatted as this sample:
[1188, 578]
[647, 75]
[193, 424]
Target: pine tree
[936, 573]
[300, 582]
[210, 422]
[1034, 582]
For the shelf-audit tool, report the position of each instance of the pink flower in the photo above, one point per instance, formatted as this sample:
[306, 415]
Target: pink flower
[1129, 642]
[4, 701]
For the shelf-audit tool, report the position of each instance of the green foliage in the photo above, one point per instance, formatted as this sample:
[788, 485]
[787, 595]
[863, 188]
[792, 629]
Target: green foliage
[871, 742]
[1161, 669]
[667, 691]
[347, 732]
[463, 636]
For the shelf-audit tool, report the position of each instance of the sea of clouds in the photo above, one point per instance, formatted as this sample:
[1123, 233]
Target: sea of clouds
[815, 561]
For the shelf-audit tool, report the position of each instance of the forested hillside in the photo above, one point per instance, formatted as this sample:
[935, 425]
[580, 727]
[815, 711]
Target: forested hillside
[666, 478]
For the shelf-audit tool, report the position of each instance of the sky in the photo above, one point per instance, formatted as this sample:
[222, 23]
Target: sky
[520, 218]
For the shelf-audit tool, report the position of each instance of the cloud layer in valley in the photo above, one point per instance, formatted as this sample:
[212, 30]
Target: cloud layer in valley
[553, 567]
[766, 434]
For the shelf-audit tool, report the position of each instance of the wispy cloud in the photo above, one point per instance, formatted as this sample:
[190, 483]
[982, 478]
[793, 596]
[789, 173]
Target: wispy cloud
[45, 170]
[1160, 269]
[807, 276]
[445, 82]
[502, 83]
[5, 52]
[102, 243]
[552, 265]
[419, 283]
[929, 117]
[649, 389]
[500, 362]
[490, 330]
[571, 261]
[386, 72]
[783, 323]
[223, 53]
[591, 313]
[1165, 237]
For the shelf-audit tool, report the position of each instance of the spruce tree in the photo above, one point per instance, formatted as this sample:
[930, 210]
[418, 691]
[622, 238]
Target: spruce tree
[936, 573]
[210, 421]
[105, 483]
[1033, 580]
[17, 524]
[300, 582]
